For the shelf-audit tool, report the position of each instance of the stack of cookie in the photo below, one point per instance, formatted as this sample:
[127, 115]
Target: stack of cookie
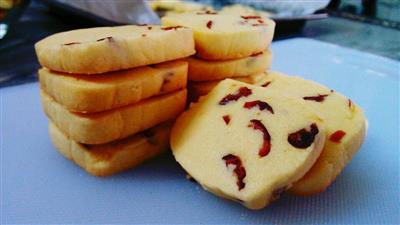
[227, 46]
[110, 93]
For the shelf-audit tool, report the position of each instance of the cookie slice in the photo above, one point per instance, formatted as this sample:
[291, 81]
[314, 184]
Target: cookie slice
[105, 49]
[96, 93]
[111, 125]
[245, 144]
[197, 89]
[207, 70]
[114, 157]
[345, 125]
[221, 37]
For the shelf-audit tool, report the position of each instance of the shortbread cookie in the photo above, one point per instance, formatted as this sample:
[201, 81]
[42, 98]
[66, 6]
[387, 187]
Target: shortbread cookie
[177, 6]
[245, 144]
[345, 128]
[104, 49]
[103, 127]
[96, 93]
[197, 89]
[221, 37]
[206, 70]
[114, 157]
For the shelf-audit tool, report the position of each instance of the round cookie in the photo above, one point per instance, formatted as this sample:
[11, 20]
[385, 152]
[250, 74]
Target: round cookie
[105, 49]
[345, 128]
[115, 124]
[197, 89]
[245, 144]
[207, 70]
[222, 37]
[110, 158]
[96, 93]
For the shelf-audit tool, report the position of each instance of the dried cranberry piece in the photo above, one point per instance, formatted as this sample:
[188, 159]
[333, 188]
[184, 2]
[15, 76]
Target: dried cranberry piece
[266, 146]
[209, 24]
[149, 28]
[303, 138]
[349, 103]
[318, 98]
[260, 21]
[251, 17]
[239, 170]
[171, 28]
[227, 119]
[72, 43]
[106, 38]
[337, 136]
[256, 54]
[261, 105]
[266, 84]
[144, 35]
[242, 92]
[207, 12]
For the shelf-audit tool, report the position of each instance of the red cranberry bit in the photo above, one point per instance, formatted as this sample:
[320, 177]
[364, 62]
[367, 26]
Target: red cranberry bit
[251, 17]
[209, 24]
[260, 21]
[318, 98]
[256, 54]
[171, 28]
[208, 12]
[72, 43]
[227, 119]
[144, 35]
[106, 38]
[261, 105]
[337, 136]
[266, 146]
[239, 170]
[242, 92]
[303, 138]
[349, 103]
[149, 28]
[266, 84]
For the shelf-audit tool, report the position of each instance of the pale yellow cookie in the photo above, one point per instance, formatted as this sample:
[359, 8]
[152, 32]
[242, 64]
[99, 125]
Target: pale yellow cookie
[104, 49]
[221, 37]
[207, 70]
[96, 93]
[197, 89]
[114, 157]
[103, 127]
[345, 125]
[177, 6]
[246, 144]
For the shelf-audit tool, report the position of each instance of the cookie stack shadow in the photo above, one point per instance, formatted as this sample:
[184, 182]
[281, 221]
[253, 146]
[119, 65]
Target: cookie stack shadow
[118, 112]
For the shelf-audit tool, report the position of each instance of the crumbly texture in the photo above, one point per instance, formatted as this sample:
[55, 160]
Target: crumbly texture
[197, 89]
[96, 93]
[338, 114]
[108, 159]
[104, 49]
[207, 70]
[221, 37]
[103, 127]
[206, 139]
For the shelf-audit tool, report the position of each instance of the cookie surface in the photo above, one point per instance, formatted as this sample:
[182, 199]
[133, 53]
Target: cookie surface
[197, 89]
[219, 37]
[345, 128]
[104, 49]
[114, 157]
[115, 124]
[207, 70]
[96, 93]
[245, 144]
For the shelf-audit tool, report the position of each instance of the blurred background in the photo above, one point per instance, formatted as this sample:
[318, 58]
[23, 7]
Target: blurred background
[371, 26]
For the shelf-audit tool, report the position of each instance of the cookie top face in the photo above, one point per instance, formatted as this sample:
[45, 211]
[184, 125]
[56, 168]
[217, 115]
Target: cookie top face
[219, 36]
[246, 144]
[104, 49]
